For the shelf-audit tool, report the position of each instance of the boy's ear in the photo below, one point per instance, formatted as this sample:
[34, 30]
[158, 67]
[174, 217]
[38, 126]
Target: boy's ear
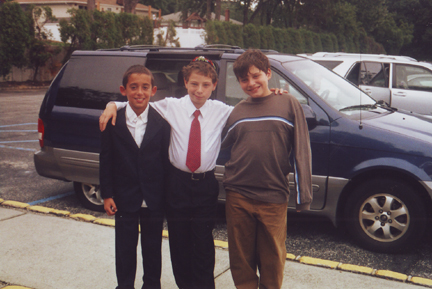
[153, 92]
[269, 73]
[122, 90]
[214, 86]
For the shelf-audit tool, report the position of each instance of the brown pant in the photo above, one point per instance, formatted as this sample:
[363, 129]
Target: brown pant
[256, 239]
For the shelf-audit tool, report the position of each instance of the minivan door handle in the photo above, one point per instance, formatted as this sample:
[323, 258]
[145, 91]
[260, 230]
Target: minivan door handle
[368, 91]
[400, 93]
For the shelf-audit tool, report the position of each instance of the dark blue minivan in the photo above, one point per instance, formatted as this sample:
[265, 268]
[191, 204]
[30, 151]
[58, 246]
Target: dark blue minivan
[372, 164]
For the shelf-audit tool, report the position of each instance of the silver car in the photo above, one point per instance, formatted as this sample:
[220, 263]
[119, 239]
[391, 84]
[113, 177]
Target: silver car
[400, 81]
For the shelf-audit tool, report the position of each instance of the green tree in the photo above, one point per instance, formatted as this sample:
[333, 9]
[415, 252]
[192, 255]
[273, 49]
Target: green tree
[251, 37]
[170, 37]
[210, 33]
[15, 37]
[418, 14]
[105, 30]
[221, 33]
[309, 46]
[229, 30]
[41, 16]
[295, 42]
[267, 38]
[237, 31]
[39, 51]
[146, 31]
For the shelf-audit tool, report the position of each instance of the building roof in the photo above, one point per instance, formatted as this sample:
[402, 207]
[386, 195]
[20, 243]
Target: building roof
[139, 6]
[176, 17]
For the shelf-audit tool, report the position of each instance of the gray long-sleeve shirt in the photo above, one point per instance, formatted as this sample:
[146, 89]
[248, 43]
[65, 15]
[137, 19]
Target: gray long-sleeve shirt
[263, 132]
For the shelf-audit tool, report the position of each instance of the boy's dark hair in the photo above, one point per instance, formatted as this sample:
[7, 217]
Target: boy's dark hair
[200, 67]
[139, 69]
[247, 59]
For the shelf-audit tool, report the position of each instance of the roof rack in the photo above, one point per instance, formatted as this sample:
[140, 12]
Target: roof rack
[213, 47]
[344, 54]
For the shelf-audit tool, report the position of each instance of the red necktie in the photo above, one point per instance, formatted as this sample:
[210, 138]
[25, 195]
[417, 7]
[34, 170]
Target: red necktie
[193, 158]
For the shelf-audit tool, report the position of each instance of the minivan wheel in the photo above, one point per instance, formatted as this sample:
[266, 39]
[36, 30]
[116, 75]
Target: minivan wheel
[385, 215]
[89, 196]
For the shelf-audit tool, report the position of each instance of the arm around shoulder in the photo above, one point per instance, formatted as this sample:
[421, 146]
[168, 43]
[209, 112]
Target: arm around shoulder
[110, 112]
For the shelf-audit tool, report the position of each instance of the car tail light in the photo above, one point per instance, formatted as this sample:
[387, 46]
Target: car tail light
[41, 131]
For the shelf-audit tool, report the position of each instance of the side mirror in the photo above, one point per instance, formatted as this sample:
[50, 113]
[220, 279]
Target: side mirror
[310, 116]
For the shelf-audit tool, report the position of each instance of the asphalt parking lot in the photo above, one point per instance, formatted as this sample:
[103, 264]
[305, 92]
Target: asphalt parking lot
[307, 236]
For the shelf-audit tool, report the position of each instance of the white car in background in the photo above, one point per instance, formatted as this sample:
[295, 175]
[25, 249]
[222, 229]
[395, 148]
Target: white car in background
[400, 81]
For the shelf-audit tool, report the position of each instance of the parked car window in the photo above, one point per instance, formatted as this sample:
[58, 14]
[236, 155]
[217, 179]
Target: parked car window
[93, 83]
[168, 77]
[234, 92]
[329, 63]
[353, 75]
[332, 88]
[412, 77]
[369, 73]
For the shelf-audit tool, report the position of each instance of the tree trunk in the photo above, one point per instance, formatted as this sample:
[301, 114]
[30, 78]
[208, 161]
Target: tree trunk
[218, 9]
[91, 5]
[130, 5]
[208, 11]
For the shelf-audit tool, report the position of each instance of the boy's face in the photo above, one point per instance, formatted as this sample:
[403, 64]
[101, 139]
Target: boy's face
[199, 88]
[255, 83]
[138, 91]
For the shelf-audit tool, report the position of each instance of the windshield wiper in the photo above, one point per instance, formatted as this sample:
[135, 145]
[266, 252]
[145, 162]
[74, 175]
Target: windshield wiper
[353, 107]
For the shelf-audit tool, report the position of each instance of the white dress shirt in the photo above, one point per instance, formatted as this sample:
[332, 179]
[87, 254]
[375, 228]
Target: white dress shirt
[137, 126]
[178, 112]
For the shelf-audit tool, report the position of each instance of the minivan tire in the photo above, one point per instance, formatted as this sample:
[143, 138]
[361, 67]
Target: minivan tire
[89, 195]
[385, 215]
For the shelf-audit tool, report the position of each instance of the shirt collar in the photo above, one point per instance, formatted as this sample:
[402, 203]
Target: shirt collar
[132, 117]
[190, 107]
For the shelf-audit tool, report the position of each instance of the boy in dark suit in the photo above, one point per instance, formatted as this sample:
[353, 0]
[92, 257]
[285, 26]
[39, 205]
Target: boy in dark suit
[133, 165]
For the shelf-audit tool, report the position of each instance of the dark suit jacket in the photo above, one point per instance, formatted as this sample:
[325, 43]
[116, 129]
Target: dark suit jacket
[130, 174]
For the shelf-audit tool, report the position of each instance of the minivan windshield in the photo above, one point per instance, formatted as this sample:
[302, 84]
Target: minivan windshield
[335, 90]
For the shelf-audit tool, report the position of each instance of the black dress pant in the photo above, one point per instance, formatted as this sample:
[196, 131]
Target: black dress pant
[126, 241]
[191, 212]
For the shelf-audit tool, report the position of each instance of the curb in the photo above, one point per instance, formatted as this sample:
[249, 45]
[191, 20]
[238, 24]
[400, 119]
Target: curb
[386, 274]
[22, 88]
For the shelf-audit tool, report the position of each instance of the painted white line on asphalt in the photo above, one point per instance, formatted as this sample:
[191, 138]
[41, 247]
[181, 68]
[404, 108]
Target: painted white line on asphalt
[11, 125]
[15, 148]
[18, 141]
[20, 130]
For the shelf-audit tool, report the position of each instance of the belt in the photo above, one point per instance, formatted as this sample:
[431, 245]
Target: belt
[194, 176]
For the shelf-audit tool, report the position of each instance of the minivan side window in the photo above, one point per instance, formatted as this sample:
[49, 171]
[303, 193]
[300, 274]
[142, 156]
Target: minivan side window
[234, 93]
[370, 73]
[168, 77]
[412, 77]
[94, 82]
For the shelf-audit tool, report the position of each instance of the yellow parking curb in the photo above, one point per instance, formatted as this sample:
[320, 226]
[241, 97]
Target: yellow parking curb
[319, 262]
[60, 212]
[290, 256]
[356, 269]
[421, 281]
[40, 209]
[165, 233]
[15, 204]
[106, 222]
[84, 217]
[391, 275]
[16, 287]
[221, 244]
